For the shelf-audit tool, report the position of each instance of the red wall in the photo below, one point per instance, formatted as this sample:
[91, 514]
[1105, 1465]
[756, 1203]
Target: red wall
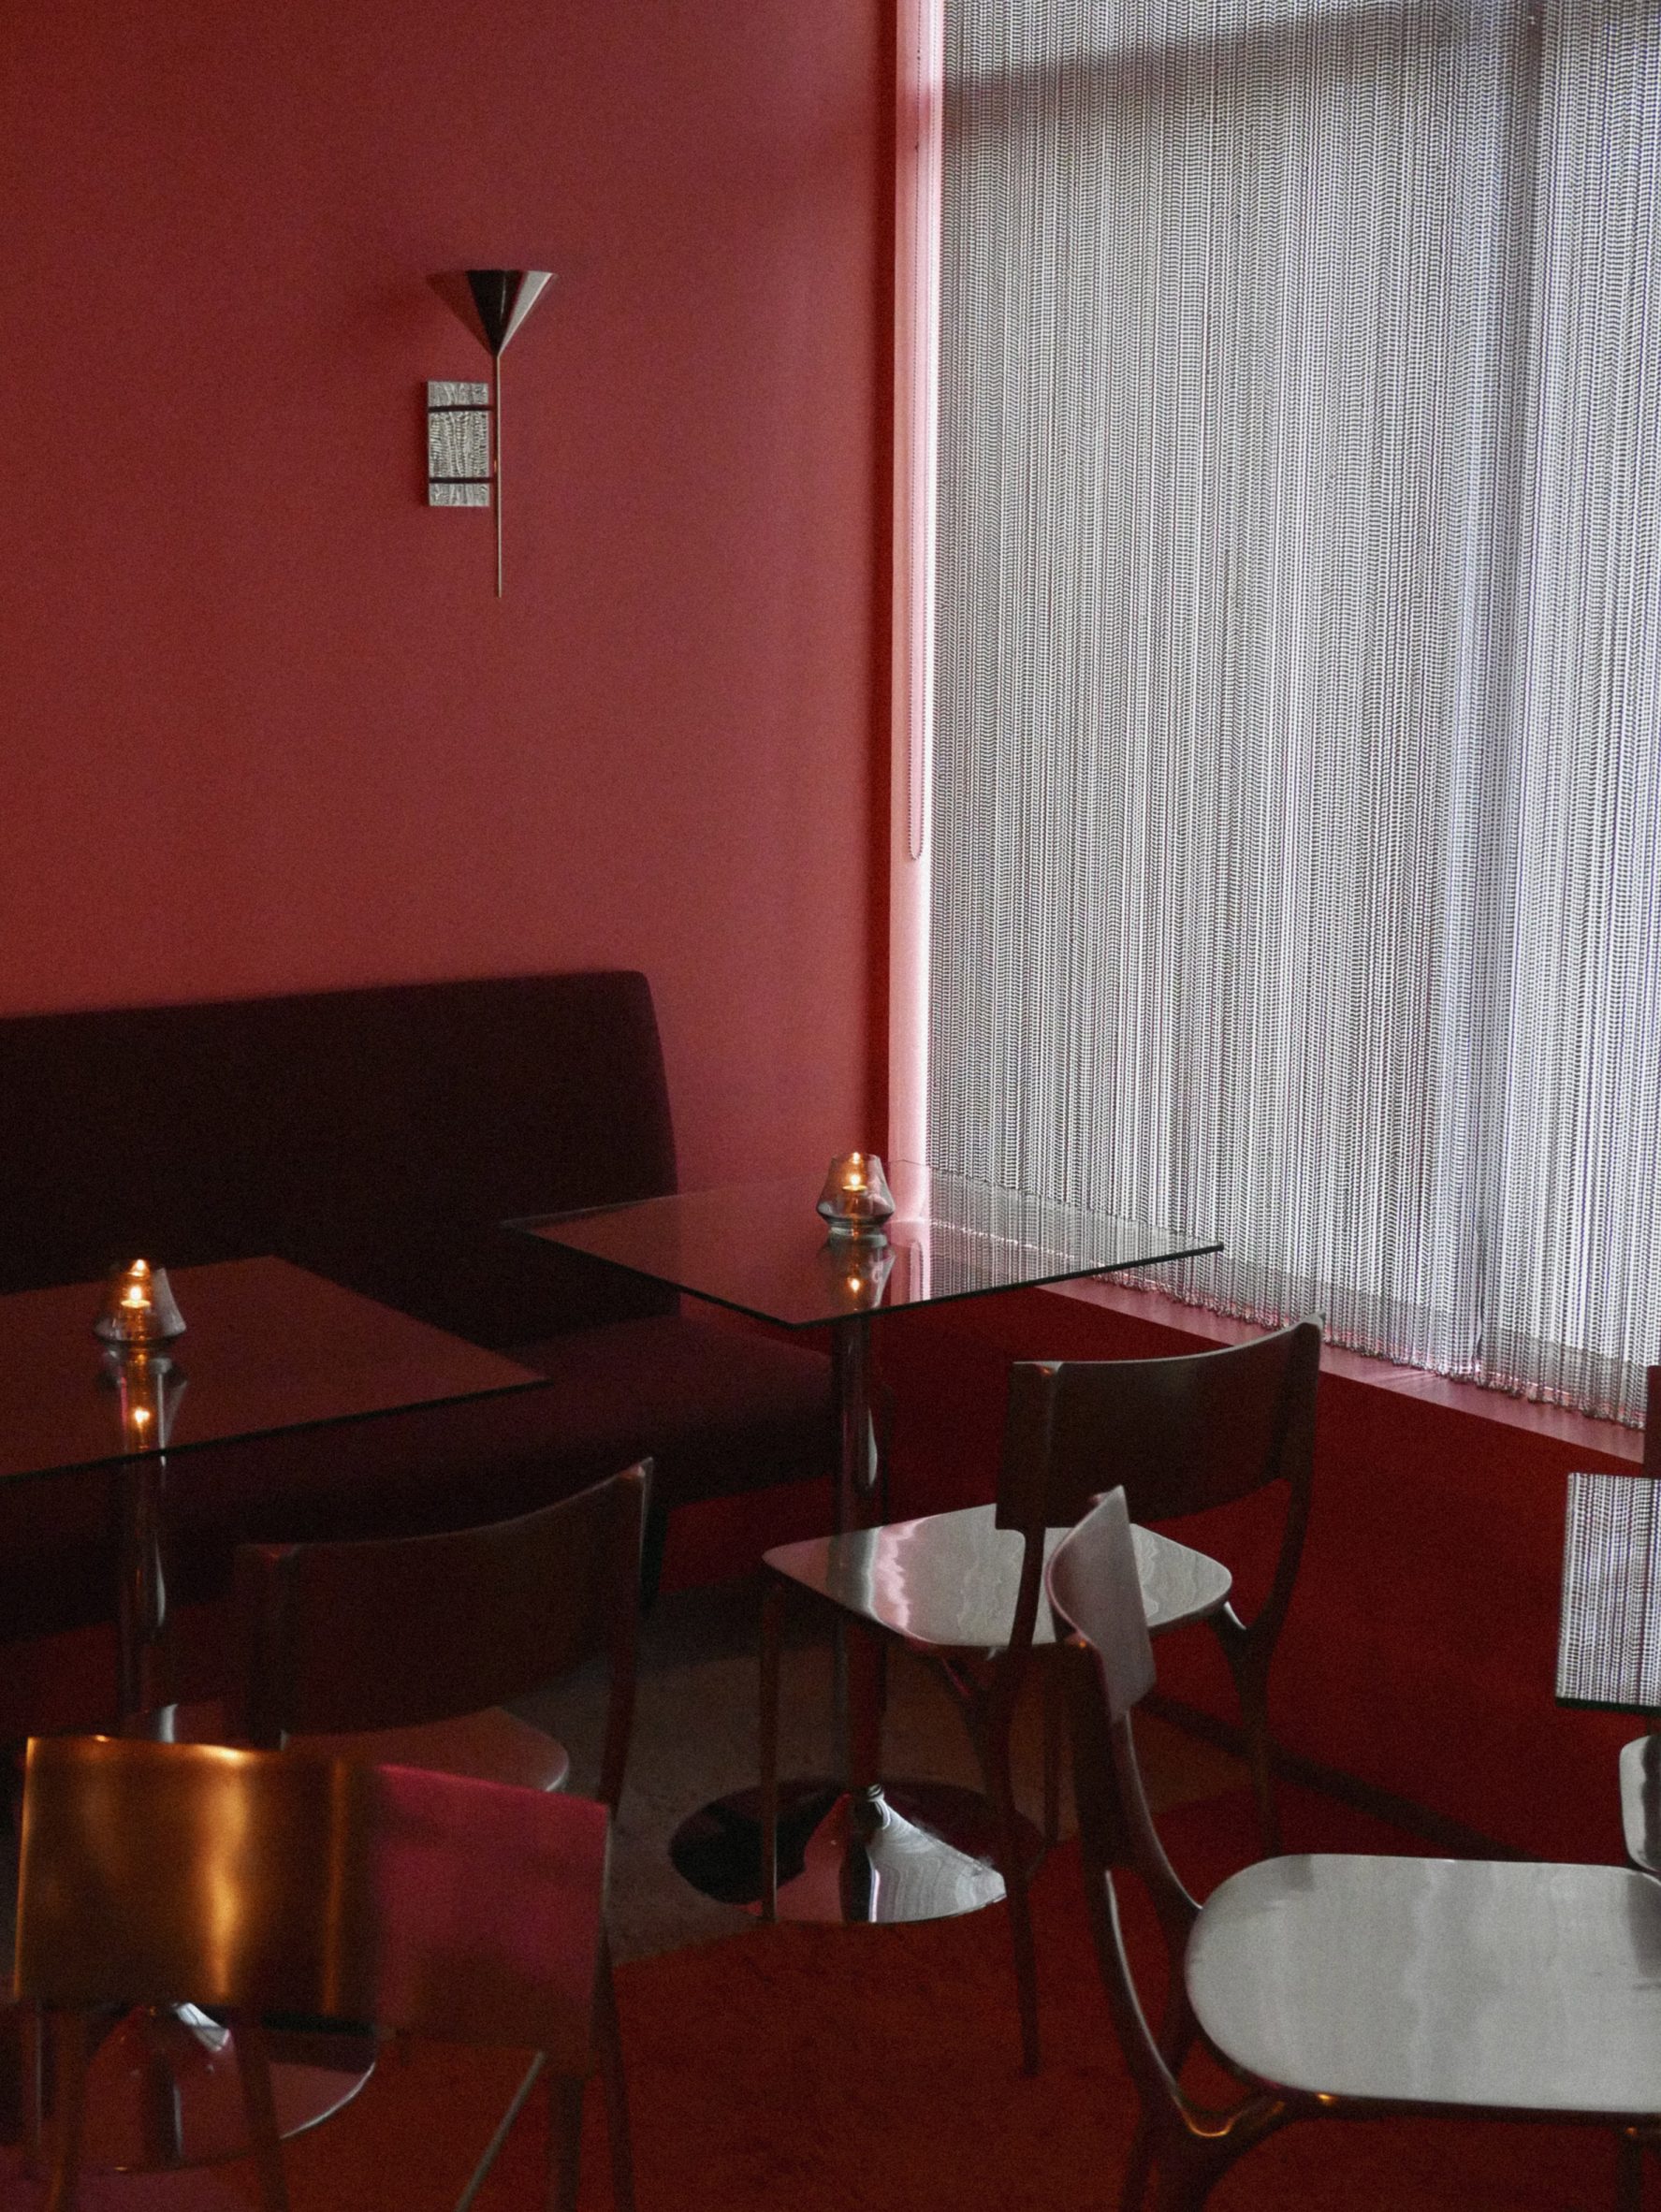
[265, 725]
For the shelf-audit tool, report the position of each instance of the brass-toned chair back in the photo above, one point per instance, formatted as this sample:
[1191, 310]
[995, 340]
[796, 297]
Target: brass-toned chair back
[1178, 1435]
[289, 1882]
[391, 1633]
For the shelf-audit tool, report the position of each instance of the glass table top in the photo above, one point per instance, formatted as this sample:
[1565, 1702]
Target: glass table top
[266, 1347]
[761, 1250]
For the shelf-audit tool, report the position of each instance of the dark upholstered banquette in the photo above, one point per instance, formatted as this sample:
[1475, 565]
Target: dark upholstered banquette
[380, 1137]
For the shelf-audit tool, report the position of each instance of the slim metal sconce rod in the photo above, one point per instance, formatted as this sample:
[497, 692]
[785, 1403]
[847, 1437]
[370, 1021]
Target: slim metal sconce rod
[492, 302]
[496, 427]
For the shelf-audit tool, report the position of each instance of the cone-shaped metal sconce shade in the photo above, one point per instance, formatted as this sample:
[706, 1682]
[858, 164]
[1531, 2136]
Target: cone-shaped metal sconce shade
[493, 303]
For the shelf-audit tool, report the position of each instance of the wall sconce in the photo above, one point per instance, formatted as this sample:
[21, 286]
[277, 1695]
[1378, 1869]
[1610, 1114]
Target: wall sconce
[461, 467]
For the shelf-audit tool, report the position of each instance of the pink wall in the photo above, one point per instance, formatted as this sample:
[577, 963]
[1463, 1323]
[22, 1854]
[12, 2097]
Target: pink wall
[266, 727]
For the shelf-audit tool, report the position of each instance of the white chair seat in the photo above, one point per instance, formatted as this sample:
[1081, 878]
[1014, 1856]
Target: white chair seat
[1640, 1801]
[1505, 1987]
[948, 1580]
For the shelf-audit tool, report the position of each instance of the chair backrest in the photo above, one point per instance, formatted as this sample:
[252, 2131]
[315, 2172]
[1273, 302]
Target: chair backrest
[1178, 1435]
[1094, 1586]
[1652, 1423]
[160, 1873]
[388, 1633]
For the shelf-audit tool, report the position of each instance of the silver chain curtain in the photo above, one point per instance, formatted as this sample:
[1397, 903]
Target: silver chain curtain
[1297, 784]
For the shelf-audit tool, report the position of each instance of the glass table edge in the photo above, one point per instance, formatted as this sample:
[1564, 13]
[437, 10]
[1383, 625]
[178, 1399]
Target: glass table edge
[533, 1224]
[178, 1448]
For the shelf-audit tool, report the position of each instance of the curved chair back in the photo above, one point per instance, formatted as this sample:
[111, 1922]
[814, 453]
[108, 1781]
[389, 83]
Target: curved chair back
[389, 1632]
[286, 1881]
[1178, 1435]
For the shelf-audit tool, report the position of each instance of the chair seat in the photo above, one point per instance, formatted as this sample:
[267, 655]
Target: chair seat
[717, 1409]
[489, 1746]
[1513, 1988]
[1640, 1801]
[948, 1582]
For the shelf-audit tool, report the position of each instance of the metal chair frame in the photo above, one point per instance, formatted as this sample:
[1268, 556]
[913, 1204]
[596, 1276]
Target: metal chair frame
[1183, 2147]
[1181, 1435]
[290, 1883]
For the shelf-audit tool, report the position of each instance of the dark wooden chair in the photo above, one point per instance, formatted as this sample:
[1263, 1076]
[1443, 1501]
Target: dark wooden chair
[964, 1589]
[287, 1883]
[402, 1649]
[1339, 1986]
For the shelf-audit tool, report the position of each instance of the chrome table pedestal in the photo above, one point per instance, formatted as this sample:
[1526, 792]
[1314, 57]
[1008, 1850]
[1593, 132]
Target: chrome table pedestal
[164, 2092]
[859, 1851]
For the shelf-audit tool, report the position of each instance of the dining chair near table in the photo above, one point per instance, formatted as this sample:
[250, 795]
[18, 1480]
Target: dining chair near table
[1180, 1435]
[291, 1883]
[1342, 1986]
[403, 1651]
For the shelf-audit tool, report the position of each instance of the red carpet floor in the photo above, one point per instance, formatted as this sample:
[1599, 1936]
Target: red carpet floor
[813, 2069]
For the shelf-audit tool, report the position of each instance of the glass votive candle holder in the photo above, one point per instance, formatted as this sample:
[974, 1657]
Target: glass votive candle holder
[856, 1200]
[138, 1308]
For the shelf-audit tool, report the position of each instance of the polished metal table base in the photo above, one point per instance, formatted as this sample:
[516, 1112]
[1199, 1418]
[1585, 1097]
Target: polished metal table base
[910, 1850]
[163, 2089]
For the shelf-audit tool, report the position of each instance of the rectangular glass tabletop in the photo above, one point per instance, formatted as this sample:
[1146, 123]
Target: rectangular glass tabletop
[266, 1347]
[761, 1250]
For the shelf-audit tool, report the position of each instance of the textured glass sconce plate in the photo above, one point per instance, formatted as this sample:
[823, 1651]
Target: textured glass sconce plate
[457, 445]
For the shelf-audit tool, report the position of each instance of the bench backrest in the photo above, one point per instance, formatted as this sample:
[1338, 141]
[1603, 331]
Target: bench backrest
[378, 1135]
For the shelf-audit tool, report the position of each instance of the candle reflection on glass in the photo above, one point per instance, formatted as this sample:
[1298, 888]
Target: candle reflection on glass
[855, 1271]
[148, 1386]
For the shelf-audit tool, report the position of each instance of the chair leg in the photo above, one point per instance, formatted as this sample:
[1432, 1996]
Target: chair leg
[1138, 2166]
[253, 2066]
[991, 1734]
[1055, 1742]
[1629, 2171]
[608, 2038]
[564, 2141]
[1249, 1665]
[69, 2061]
[1254, 1712]
[1183, 2188]
[771, 1639]
[654, 1543]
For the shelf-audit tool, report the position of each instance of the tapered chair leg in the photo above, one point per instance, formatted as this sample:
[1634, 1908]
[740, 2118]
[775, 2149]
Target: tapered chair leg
[1054, 1745]
[1251, 1687]
[1629, 2173]
[1138, 2166]
[1178, 2189]
[1254, 1714]
[991, 1734]
[772, 1636]
[254, 2065]
[565, 2142]
[614, 2082]
[69, 2061]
